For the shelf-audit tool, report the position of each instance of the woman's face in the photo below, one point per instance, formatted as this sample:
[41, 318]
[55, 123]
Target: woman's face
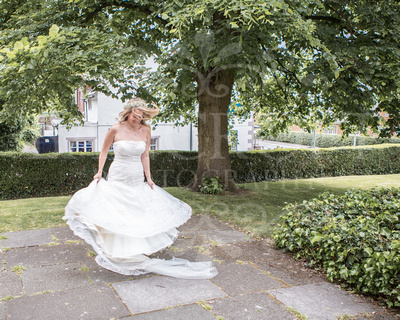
[135, 116]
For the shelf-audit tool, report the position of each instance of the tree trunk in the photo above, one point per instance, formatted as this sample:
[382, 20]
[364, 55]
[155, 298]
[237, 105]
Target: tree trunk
[214, 89]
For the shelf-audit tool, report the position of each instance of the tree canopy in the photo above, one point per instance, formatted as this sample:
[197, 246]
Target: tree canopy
[296, 61]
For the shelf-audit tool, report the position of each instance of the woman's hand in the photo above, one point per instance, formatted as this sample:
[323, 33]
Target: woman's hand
[150, 183]
[97, 176]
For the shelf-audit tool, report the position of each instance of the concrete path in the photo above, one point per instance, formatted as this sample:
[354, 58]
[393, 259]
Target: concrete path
[268, 144]
[51, 274]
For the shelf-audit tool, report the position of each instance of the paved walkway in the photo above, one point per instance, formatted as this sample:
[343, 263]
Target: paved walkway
[268, 144]
[50, 274]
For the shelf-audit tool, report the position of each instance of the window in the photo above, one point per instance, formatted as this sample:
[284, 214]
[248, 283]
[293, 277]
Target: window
[154, 143]
[80, 145]
[331, 130]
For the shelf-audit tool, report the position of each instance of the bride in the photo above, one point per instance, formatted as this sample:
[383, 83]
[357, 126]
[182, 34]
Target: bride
[124, 218]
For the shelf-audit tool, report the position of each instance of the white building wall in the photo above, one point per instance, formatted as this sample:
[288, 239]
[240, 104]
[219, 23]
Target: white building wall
[87, 132]
[108, 109]
[175, 138]
[245, 131]
[102, 112]
[91, 111]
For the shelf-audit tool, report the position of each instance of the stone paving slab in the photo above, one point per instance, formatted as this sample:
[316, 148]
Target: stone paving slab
[202, 222]
[254, 306]
[54, 278]
[192, 255]
[30, 257]
[64, 234]
[380, 315]
[99, 275]
[10, 284]
[188, 312]
[251, 274]
[322, 301]
[245, 251]
[290, 271]
[28, 238]
[160, 292]
[97, 302]
[189, 239]
[224, 236]
[237, 279]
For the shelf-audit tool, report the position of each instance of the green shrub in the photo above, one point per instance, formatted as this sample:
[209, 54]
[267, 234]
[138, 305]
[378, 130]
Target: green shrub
[25, 175]
[328, 140]
[211, 185]
[354, 238]
[263, 165]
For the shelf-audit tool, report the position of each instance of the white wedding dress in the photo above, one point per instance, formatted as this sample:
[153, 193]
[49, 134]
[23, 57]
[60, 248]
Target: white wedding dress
[124, 220]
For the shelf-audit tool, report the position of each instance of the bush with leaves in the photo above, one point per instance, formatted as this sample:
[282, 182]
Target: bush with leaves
[354, 238]
[212, 185]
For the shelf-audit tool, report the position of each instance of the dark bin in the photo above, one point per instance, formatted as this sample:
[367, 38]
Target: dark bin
[47, 144]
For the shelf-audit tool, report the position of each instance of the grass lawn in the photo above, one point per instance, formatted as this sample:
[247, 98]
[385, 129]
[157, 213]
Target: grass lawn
[256, 210]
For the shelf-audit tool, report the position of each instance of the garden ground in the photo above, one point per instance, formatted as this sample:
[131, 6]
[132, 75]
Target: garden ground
[50, 274]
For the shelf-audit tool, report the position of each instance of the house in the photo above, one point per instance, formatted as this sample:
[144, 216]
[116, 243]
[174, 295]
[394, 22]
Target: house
[100, 112]
[335, 127]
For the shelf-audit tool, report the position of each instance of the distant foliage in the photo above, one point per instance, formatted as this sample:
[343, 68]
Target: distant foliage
[17, 130]
[354, 238]
[328, 140]
[10, 134]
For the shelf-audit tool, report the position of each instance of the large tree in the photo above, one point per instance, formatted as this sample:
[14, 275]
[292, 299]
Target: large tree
[303, 60]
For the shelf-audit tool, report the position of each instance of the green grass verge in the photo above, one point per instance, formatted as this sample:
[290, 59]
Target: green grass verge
[256, 210]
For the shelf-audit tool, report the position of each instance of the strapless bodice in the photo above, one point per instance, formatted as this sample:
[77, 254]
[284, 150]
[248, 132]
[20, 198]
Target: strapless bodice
[127, 165]
[128, 150]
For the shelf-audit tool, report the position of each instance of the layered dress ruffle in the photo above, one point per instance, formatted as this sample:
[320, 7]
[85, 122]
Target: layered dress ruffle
[124, 220]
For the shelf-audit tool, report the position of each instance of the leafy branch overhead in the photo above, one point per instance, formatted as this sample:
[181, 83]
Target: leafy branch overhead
[299, 61]
[291, 61]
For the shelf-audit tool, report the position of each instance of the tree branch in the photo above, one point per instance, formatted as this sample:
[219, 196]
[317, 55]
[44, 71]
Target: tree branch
[117, 3]
[324, 18]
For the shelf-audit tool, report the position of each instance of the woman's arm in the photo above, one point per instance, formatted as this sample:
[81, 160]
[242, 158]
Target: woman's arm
[146, 159]
[108, 141]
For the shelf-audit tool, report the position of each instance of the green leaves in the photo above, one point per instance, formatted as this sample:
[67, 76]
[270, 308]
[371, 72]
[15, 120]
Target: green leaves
[317, 237]
[53, 31]
[354, 238]
[298, 62]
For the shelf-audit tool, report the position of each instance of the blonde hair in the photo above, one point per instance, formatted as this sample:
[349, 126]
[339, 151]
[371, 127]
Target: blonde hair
[138, 104]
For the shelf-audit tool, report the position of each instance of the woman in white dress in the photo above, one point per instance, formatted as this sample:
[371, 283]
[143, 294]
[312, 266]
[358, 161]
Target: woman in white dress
[124, 218]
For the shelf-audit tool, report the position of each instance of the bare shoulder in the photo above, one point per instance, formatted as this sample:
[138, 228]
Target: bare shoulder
[146, 129]
[146, 133]
[115, 128]
[113, 131]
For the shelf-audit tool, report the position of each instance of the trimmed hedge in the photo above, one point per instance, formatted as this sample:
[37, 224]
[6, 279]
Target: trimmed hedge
[354, 238]
[329, 140]
[311, 163]
[25, 175]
